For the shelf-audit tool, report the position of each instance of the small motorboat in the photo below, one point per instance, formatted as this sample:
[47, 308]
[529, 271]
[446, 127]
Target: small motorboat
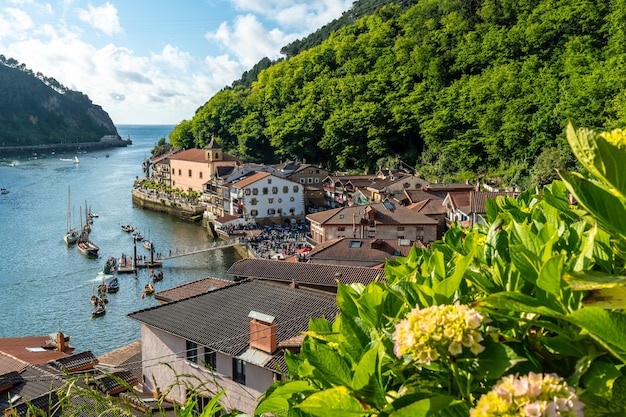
[113, 286]
[148, 289]
[147, 244]
[100, 310]
[4, 190]
[158, 276]
[127, 228]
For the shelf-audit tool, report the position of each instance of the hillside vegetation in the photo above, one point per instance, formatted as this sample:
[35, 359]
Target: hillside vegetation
[37, 110]
[455, 88]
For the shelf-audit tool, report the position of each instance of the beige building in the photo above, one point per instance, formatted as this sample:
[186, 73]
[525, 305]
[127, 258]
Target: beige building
[191, 168]
[384, 220]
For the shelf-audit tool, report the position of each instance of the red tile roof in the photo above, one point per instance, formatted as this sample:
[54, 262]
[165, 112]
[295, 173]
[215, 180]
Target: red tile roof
[251, 179]
[20, 348]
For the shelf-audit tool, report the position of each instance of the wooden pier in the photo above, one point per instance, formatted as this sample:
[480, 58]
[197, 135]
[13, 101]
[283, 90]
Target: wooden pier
[127, 266]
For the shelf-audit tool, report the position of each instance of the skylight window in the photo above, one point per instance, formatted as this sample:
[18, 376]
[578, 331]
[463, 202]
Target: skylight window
[355, 243]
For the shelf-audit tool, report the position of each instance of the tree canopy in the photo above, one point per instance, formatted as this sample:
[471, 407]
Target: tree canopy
[450, 86]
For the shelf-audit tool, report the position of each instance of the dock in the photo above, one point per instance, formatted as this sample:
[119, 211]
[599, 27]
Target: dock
[127, 266]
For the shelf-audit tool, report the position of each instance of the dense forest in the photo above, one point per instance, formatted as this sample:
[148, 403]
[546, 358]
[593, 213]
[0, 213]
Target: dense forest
[38, 110]
[455, 88]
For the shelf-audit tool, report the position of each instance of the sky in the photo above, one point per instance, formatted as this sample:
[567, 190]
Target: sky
[154, 61]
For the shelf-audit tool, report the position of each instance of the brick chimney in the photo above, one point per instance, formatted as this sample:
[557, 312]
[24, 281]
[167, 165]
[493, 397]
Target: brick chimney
[262, 332]
[60, 342]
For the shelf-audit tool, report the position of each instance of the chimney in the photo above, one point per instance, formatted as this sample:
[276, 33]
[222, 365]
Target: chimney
[262, 332]
[60, 342]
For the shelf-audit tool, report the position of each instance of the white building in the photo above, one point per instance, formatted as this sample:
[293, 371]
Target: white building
[264, 198]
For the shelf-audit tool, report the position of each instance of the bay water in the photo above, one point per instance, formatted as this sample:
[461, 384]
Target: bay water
[45, 285]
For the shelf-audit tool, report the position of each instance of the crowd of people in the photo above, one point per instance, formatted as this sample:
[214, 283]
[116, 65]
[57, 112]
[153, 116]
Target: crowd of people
[272, 242]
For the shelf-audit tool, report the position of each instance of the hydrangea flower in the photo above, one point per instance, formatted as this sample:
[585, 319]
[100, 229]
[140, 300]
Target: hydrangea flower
[534, 395]
[428, 333]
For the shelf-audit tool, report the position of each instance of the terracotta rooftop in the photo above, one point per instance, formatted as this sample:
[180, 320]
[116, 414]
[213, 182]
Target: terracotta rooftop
[303, 272]
[368, 251]
[428, 207]
[190, 289]
[199, 155]
[250, 179]
[387, 213]
[415, 196]
[219, 319]
[479, 198]
[37, 350]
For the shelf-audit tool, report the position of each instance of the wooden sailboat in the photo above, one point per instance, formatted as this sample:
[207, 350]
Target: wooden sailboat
[71, 234]
[86, 246]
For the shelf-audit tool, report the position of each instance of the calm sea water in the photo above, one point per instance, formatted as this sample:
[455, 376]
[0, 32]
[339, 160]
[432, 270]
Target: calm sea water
[45, 285]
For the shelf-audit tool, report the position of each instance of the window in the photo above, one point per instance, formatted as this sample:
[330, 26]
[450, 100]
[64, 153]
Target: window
[200, 174]
[295, 188]
[341, 229]
[210, 358]
[254, 213]
[280, 200]
[400, 228]
[265, 190]
[301, 180]
[292, 199]
[271, 211]
[190, 174]
[239, 371]
[274, 190]
[292, 210]
[192, 351]
[254, 201]
[255, 191]
[309, 180]
[317, 180]
[279, 211]
[285, 189]
[269, 180]
[270, 200]
[180, 172]
[246, 191]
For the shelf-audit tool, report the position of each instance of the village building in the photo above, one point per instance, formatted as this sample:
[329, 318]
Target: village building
[384, 220]
[266, 199]
[428, 204]
[468, 209]
[232, 338]
[192, 168]
[369, 253]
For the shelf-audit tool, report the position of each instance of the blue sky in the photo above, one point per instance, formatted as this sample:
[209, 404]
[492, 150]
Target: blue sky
[154, 61]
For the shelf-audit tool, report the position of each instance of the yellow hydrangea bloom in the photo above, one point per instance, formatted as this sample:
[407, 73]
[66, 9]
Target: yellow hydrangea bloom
[426, 334]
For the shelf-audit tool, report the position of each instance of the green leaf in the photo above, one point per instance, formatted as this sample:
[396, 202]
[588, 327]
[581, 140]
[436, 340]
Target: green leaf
[425, 407]
[600, 377]
[495, 360]
[597, 200]
[293, 387]
[592, 280]
[606, 327]
[273, 405]
[445, 290]
[366, 380]
[550, 275]
[526, 263]
[333, 402]
[331, 364]
[608, 298]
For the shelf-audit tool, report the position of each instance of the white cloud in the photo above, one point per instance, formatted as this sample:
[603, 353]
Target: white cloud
[103, 18]
[305, 16]
[249, 41]
[14, 23]
[174, 57]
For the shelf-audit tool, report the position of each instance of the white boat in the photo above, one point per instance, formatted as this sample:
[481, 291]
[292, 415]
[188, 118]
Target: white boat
[71, 234]
[4, 190]
[86, 246]
[147, 244]
[76, 161]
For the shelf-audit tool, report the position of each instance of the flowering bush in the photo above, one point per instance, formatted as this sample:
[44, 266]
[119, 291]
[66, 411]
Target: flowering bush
[429, 333]
[534, 395]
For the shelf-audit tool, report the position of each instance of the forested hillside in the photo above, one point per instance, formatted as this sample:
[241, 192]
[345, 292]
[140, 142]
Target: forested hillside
[455, 88]
[37, 110]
